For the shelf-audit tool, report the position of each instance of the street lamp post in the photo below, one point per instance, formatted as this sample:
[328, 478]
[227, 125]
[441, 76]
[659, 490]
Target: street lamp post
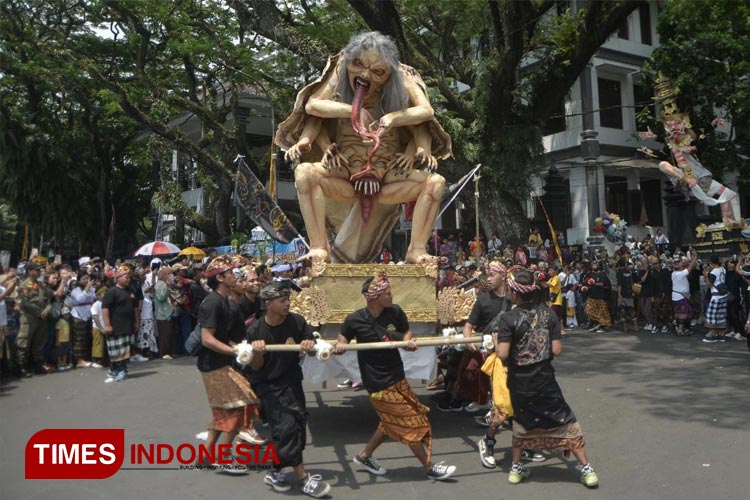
[476, 215]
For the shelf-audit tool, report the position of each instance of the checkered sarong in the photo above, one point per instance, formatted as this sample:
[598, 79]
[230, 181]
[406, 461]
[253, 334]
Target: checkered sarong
[118, 347]
[716, 314]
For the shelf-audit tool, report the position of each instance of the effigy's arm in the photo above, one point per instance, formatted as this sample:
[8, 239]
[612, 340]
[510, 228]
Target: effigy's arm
[321, 104]
[420, 110]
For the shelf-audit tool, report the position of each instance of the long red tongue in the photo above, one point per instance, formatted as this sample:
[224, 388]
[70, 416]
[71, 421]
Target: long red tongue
[359, 95]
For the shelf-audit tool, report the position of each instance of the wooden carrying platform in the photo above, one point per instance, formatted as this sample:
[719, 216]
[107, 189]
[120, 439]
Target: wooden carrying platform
[336, 291]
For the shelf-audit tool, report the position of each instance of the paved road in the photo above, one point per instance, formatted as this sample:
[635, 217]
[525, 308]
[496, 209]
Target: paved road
[664, 418]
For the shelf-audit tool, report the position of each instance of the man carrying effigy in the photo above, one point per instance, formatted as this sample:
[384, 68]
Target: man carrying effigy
[402, 416]
[277, 380]
[367, 138]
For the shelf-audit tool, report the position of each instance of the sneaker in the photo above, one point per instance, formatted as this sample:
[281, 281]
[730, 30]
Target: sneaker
[483, 421]
[665, 329]
[450, 406]
[486, 452]
[600, 330]
[532, 456]
[121, 375]
[345, 384]
[589, 477]
[685, 333]
[251, 436]
[710, 339]
[370, 464]
[109, 379]
[357, 386]
[277, 481]
[315, 486]
[441, 472]
[234, 469]
[735, 336]
[593, 328]
[475, 407]
[518, 474]
[138, 358]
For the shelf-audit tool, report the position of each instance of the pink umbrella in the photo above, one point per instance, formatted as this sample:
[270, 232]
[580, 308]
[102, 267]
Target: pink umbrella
[157, 248]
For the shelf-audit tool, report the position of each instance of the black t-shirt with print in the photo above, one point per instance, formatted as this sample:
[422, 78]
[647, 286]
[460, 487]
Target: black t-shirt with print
[530, 329]
[279, 368]
[380, 368]
[119, 301]
[487, 306]
[215, 313]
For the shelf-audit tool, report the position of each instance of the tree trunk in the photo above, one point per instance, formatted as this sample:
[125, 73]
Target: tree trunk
[504, 215]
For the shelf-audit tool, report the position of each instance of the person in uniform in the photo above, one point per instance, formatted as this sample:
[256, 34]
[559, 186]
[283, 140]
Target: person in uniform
[34, 308]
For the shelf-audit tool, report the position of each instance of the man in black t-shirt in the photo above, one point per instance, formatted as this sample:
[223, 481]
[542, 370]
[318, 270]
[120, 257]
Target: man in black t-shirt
[277, 379]
[229, 394]
[120, 323]
[250, 302]
[402, 416]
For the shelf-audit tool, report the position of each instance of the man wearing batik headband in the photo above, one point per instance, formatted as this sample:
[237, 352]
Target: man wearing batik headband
[527, 338]
[120, 323]
[471, 385]
[488, 307]
[232, 401]
[402, 416]
[277, 379]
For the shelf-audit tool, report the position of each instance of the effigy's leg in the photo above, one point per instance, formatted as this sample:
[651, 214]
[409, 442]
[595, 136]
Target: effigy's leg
[427, 189]
[314, 183]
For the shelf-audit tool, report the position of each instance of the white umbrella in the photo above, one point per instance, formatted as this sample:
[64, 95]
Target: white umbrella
[157, 248]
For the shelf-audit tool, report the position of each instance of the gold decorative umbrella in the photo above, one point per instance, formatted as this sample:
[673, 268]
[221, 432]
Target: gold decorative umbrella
[194, 252]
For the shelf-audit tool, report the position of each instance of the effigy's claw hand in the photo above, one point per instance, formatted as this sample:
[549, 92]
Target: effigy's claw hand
[431, 164]
[333, 160]
[426, 161]
[294, 154]
[402, 164]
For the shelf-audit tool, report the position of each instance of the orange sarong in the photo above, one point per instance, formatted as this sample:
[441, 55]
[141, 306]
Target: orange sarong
[402, 416]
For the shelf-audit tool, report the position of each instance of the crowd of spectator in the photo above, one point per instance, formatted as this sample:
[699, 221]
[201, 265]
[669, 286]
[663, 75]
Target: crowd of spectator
[52, 319]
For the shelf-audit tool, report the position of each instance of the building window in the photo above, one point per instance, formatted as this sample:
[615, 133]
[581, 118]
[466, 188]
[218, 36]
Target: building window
[643, 99]
[562, 6]
[652, 196]
[622, 31]
[556, 122]
[610, 103]
[644, 14]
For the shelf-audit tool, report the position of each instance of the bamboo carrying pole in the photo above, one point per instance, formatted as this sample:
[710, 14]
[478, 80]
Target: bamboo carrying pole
[371, 346]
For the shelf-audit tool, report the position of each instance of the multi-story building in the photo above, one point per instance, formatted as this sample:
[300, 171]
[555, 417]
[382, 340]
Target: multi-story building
[593, 139]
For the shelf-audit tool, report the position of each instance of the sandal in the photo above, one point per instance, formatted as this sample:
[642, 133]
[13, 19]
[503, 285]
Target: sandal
[95, 365]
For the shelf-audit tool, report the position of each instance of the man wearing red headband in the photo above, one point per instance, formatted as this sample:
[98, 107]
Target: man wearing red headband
[402, 416]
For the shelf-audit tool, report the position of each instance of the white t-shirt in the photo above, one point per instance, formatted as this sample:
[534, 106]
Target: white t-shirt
[3, 310]
[680, 284]
[721, 277]
[96, 310]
